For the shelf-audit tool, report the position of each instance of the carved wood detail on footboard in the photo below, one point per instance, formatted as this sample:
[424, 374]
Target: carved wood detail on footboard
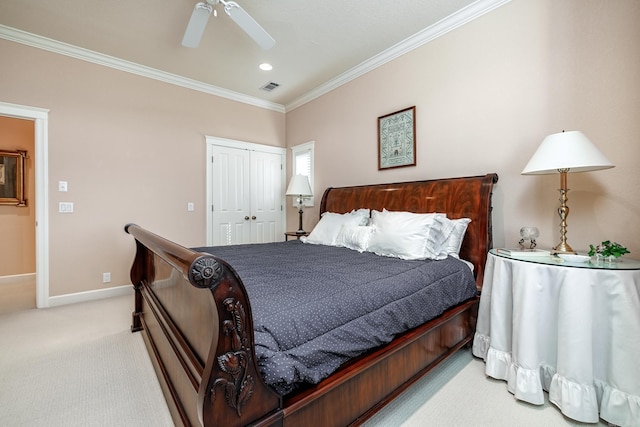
[227, 389]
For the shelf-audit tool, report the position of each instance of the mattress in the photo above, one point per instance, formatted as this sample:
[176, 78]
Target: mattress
[315, 307]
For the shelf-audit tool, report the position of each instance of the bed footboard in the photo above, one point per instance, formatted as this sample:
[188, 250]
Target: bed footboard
[191, 305]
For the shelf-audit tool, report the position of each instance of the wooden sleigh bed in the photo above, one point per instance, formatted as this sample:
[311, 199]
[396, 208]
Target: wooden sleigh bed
[195, 317]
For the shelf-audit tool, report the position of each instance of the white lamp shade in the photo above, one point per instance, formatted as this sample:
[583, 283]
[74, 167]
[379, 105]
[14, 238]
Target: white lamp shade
[566, 150]
[299, 186]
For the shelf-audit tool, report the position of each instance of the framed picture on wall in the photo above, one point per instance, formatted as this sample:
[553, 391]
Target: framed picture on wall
[12, 178]
[397, 139]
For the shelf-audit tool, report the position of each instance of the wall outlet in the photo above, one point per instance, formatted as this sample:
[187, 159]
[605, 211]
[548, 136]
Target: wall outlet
[190, 207]
[106, 277]
[65, 207]
[62, 185]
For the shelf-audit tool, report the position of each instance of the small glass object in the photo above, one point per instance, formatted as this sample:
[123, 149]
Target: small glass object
[530, 234]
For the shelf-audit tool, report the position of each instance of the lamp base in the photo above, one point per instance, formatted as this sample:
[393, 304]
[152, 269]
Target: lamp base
[300, 229]
[563, 211]
[563, 248]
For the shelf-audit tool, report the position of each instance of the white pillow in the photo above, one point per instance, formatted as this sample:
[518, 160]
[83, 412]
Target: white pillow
[454, 242]
[327, 229]
[409, 235]
[355, 237]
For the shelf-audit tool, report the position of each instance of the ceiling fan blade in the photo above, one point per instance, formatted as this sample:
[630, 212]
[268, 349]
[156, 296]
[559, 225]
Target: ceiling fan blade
[197, 24]
[249, 25]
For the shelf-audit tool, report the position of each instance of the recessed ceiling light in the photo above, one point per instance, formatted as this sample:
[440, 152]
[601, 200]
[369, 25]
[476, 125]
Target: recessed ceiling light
[266, 67]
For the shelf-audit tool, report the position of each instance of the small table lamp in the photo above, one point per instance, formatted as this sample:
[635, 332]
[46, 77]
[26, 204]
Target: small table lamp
[299, 187]
[562, 153]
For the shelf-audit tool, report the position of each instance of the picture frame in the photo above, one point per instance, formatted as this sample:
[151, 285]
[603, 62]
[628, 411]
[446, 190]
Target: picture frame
[12, 178]
[397, 139]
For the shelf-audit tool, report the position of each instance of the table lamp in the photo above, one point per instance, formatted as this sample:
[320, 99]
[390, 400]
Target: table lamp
[300, 188]
[562, 153]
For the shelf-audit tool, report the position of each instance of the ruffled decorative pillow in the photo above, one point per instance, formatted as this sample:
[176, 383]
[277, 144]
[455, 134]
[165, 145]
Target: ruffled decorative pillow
[326, 230]
[355, 237]
[454, 242]
[409, 235]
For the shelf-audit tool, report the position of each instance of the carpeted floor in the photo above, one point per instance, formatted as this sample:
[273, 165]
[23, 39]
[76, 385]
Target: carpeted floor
[105, 382]
[458, 393]
[79, 365]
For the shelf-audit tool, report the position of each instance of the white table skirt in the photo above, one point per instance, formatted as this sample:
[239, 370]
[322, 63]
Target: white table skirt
[574, 332]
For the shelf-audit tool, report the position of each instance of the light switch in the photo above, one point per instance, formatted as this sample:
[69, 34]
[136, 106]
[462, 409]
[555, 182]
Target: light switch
[65, 207]
[190, 207]
[62, 185]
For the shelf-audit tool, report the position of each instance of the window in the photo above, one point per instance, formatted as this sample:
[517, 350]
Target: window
[302, 160]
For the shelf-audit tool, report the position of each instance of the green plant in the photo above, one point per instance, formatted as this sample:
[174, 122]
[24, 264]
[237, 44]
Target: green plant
[607, 249]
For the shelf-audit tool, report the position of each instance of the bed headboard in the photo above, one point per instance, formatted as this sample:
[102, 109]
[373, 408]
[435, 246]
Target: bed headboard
[466, 197]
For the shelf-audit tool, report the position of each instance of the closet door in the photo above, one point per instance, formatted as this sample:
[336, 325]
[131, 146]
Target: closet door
[245, 192]
[266, 197]
[230, 191]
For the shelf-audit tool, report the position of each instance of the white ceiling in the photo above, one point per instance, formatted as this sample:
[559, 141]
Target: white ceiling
[318, 43]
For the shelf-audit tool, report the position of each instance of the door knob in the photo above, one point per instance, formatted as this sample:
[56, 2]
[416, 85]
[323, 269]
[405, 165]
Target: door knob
[246, 218]
[253, 217]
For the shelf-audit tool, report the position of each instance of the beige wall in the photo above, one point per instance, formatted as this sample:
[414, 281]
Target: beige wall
[486, 95]
[132, 149]
[18, 224]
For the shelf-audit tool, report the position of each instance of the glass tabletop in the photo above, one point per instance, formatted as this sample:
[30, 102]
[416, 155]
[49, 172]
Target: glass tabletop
[623, 263]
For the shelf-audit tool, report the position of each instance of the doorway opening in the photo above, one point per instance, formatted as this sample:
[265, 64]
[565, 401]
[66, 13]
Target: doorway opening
[40, 119]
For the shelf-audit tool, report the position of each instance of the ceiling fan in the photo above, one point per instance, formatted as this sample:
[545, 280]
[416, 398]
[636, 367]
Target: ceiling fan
[201, 14]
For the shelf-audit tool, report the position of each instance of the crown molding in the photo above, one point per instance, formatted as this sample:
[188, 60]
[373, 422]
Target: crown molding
[451, 22]
[50, 45]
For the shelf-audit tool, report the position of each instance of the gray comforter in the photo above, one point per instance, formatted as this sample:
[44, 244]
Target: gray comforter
[315, 307]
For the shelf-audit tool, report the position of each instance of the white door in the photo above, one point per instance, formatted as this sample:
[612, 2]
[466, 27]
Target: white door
[245, 192]
[230, 196]
[266, 197]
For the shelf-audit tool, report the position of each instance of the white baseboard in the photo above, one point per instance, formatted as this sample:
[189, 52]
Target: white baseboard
[90, 295]
[18, 278]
